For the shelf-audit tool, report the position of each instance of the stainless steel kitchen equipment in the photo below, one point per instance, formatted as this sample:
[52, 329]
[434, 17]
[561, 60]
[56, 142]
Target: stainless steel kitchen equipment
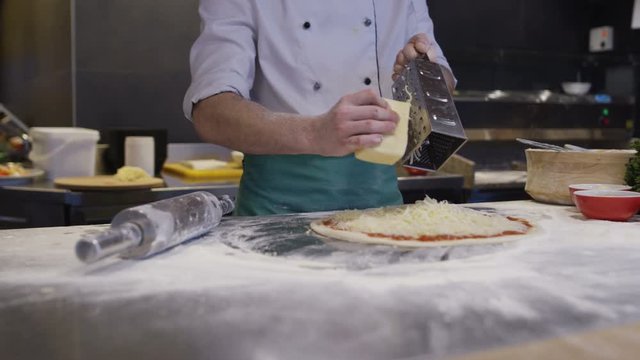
[494, 119]
[41, 204]
[542, 145]
[435, 130]
[15, 143]
[147, 229]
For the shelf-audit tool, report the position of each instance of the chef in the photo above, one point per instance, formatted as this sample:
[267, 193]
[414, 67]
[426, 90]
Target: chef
[298, 86]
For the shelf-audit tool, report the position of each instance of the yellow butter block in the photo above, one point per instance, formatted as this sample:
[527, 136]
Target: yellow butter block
[393, 146]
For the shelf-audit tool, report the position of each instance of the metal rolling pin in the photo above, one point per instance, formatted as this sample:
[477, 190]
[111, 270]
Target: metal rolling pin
[145, 230]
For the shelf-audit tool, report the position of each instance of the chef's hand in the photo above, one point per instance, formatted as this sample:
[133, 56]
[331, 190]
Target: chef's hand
[356, 121]
[417, 45]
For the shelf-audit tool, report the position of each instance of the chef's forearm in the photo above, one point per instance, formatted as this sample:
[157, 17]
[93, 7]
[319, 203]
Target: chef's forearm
[229, 120]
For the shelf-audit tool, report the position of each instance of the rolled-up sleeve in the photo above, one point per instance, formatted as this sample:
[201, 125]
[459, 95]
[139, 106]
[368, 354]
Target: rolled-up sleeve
[425, 24]
[222, 59]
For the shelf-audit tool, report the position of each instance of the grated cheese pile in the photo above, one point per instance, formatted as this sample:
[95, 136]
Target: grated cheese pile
[131, 173]
[427, 217]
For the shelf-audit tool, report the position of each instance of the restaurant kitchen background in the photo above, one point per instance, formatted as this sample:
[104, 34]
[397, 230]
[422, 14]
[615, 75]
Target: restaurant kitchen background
[118, 64]
[267, 287]
[98, 64]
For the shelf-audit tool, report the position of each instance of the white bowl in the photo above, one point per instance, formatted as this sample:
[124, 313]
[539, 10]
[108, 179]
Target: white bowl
[577, 187]
[576, 88]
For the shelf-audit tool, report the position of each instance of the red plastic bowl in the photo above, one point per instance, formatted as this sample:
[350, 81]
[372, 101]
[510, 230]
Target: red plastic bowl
[612, 205]
[577, 187]
[415, 171]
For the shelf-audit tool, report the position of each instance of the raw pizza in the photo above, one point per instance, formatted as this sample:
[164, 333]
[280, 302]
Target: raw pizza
[423, 224]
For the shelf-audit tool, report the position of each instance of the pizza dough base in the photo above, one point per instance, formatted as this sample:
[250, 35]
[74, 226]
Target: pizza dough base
[350, 236]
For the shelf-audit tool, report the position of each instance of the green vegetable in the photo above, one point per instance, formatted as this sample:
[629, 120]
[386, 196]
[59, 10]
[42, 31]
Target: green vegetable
[632, 176]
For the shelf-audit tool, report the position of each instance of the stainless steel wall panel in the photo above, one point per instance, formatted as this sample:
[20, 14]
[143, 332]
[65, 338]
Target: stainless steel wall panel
[109, 99]
[35, 55]
[130, 62]
[133, 63]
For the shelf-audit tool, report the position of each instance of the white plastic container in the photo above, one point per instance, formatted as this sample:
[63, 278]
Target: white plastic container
[140, 151]
[64, 151]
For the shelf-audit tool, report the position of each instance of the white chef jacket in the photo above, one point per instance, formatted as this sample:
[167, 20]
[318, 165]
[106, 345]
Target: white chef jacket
[302, 56]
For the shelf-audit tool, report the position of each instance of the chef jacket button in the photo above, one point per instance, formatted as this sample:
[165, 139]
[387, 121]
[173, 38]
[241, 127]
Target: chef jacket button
[367, 22]
[306, 25]
[317, 86]
[367, 81]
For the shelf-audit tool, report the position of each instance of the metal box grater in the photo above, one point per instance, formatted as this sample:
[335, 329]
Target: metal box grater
[435, 130]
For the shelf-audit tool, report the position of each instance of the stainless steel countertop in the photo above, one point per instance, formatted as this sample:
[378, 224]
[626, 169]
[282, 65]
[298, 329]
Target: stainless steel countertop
[499, 179]
[41, 204]
[266, 288]
[46, 191]
[539, 97]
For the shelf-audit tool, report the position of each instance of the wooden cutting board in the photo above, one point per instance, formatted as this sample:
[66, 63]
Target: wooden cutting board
[203, 174]
[105, 182]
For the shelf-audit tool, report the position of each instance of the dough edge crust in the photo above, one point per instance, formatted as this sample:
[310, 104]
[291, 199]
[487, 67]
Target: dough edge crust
[356, 237]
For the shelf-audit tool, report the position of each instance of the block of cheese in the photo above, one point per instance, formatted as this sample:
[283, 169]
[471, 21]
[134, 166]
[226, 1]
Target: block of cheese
[393, 145]
[237, 157]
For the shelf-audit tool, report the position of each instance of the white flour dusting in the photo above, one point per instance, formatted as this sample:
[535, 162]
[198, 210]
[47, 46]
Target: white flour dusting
[571, 274]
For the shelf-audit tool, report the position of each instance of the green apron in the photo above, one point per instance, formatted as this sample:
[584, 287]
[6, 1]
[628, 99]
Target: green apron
[280, 184]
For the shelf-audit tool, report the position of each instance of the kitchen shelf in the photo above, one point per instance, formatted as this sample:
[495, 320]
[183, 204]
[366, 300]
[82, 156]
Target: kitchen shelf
[536, 58]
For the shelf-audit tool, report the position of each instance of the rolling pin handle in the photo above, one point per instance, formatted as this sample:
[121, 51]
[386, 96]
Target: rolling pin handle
[109, 242]
[226, 204]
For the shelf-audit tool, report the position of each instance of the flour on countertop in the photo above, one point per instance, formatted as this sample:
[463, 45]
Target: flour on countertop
[572, 273]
